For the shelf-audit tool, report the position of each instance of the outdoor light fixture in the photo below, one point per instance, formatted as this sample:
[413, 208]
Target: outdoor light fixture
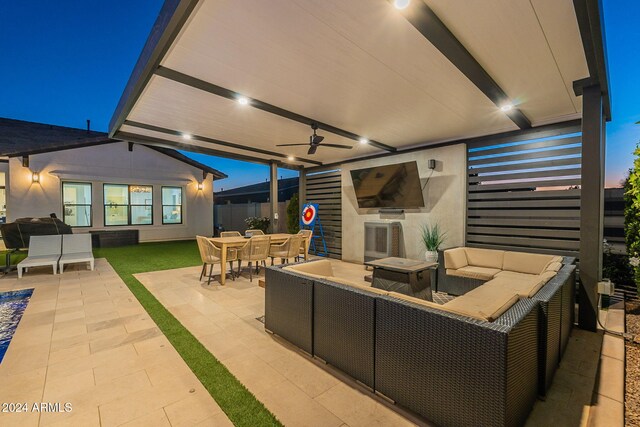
[186, 136]
[291, 158]
[506, 107]
[243, 100]
[401, 4]
[35, 177]
[200, 186]
[364, 141]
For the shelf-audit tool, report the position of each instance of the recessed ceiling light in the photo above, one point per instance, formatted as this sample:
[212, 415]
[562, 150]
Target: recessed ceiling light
[364, 141]
[401, 4]
[186, 136]
[507, 107]
[243, 100]
[291, 158]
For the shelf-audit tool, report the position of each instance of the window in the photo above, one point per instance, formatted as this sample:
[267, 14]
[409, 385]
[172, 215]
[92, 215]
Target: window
[171, 205]
[76, 201]
[128, 204]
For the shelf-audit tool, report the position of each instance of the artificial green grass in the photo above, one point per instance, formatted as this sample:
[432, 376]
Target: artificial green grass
[242, 408]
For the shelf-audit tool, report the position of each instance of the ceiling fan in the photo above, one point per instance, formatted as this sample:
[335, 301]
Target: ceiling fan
[314, 142]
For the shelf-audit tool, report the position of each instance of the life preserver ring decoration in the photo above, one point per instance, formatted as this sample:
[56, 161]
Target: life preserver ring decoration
[309, 214]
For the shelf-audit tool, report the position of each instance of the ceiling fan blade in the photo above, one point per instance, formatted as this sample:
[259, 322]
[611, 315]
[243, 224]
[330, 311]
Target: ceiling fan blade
[312, 149]
[316, 139]
[290, 145]
[346, 147]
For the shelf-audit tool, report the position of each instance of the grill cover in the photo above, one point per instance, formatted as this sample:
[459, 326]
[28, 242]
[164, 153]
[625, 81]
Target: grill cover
[16, 234]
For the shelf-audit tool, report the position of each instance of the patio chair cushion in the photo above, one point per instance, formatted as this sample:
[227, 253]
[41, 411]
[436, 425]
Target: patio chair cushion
[357, 285]
[488, 302]
[521, 262]
[455, 258]
[473, 272]
[489, 258]
[321, 268]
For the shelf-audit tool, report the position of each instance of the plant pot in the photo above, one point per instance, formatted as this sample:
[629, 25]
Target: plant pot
[431, 256]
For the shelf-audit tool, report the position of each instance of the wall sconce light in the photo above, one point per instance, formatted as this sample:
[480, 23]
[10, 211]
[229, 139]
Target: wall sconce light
[35, 177]
[200, 186]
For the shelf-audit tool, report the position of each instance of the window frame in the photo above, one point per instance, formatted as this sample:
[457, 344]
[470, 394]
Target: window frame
[181, 204]
[90, 184]
[128, 205]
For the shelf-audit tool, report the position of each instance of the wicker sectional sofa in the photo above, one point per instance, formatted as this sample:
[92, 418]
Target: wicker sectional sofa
[479, 363]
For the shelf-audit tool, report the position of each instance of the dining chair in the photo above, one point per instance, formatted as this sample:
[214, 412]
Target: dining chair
[253, 232]
[210, 255]
[230, 234]
[287, 250]
[304, 248]
[255, 250]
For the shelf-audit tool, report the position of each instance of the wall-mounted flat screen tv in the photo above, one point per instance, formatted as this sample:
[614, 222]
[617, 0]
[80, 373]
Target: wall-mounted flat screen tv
[388, 186]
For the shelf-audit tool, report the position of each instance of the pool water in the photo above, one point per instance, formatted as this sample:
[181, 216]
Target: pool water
[12, 305]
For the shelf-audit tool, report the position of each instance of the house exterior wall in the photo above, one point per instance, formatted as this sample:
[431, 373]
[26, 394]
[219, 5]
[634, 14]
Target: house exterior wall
[111, 164]
[444, 196]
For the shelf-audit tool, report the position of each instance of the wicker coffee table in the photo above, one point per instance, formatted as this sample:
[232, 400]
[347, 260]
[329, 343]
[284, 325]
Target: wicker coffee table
[407, 276]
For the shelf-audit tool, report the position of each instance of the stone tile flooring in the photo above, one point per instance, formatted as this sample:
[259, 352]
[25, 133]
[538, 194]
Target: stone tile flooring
[84, 339]
[293, 387]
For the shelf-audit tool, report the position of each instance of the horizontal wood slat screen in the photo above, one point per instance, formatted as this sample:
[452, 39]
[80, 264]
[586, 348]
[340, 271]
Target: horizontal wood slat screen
[524, 194]
[325, 189]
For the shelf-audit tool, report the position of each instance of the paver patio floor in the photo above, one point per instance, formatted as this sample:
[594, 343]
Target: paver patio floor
[84, 339]
[296, 389]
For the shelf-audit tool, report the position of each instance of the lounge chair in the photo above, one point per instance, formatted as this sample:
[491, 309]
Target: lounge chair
[43, 251]
[76, 248]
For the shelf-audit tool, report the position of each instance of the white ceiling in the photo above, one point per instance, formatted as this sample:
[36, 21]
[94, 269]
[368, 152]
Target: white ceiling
[361, 66]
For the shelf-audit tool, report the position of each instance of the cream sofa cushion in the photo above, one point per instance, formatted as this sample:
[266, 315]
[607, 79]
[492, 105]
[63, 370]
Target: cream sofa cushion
[455, 258]
[521, 262]
[473, 272]
[436, 306]
[489, 258]
[488, 302]
[523, 287]
[317, 269]
[554, 266]
[517, 276]
[357, 285]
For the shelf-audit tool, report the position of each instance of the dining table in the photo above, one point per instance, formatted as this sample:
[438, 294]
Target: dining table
[225, 243]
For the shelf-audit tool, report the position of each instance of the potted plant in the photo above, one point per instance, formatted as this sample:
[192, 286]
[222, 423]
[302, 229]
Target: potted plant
[432, 238]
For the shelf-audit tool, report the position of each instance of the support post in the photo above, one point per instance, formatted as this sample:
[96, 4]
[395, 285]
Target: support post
[273, 195]
[592, 204]
[302, 190]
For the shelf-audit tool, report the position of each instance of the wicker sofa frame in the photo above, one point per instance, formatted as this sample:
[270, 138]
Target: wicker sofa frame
[450, 369]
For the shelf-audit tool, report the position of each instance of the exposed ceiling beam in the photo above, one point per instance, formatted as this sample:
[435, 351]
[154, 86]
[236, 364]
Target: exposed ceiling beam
[255, 103]
[148, 140]
[591, 24]
[543, 131]
[171, 19]
[216, 141]
[433, 29]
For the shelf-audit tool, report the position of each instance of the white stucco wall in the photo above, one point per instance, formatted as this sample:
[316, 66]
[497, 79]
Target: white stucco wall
[112, 164]
[444, 197]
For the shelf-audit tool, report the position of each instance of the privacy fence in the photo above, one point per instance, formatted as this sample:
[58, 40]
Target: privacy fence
[523, 192]
[325, 188]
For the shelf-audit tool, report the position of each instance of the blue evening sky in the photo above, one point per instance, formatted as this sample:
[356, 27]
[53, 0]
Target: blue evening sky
[62, 62]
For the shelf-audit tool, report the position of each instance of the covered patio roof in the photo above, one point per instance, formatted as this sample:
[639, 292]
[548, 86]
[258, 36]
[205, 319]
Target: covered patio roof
[436, 71]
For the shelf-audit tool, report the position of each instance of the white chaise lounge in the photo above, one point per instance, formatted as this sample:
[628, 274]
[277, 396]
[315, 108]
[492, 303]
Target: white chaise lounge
[43, 251]
[76, 248]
